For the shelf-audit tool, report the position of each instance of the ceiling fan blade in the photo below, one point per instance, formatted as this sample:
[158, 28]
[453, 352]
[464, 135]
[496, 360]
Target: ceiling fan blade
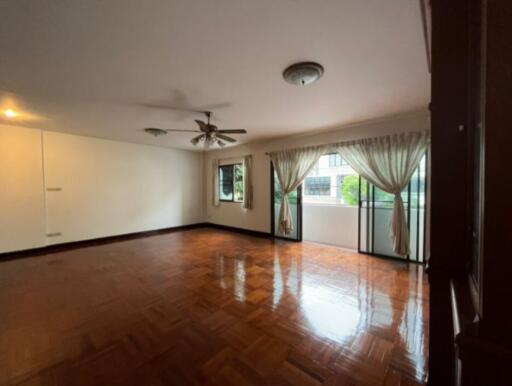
[225, 137]
[203, 126]
[180, 130]
[195, 140]
[235, 131]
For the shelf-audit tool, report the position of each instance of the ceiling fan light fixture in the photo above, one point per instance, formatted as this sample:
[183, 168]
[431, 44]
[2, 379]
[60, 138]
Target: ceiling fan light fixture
[303, 73]
[210, 134]
[210, 139]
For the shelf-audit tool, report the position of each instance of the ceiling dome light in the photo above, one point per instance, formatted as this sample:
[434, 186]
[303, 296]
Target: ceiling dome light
[303, 73]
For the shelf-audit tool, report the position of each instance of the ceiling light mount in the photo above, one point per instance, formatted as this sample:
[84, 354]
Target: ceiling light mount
[303, 73]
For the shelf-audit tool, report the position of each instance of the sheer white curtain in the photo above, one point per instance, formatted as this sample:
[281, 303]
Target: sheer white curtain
[291, 167]
[389, 162]
[248, 190]
[215, 182]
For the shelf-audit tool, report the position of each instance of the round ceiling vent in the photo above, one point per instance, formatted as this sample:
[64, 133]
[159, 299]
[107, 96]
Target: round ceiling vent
[303, 73]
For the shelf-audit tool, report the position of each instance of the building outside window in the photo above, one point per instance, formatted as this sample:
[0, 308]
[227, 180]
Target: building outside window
[331, 182]
[317, 186]
[336, 160]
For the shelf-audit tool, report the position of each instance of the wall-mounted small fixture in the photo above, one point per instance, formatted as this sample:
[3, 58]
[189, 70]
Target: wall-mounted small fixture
[10, 113]
[303, 73]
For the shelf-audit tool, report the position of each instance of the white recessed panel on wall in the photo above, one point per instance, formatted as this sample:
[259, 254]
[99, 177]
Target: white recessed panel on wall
[22, 217]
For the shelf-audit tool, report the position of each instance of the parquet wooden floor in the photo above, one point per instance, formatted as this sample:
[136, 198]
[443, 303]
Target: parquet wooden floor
[209, 307]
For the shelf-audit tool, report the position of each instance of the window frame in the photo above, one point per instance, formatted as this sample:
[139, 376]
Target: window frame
[232, 182]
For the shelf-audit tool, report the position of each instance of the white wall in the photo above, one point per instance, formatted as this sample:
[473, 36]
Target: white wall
[111, 188]
[330, 224]
[232, 214]
[107, 188]
[22, 223]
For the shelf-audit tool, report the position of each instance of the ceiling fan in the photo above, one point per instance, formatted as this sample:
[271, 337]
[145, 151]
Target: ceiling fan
[210, 134]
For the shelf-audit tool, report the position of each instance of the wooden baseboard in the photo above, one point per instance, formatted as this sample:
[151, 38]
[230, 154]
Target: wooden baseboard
[244, 231]
[113, 239]
[92, 242]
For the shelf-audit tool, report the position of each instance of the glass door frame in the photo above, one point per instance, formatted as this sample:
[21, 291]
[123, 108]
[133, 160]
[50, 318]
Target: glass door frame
[370, 213]
[272, 210]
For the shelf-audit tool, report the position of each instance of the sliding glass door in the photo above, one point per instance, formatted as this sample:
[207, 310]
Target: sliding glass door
[374, 217]
[375, 210]
[295, 202]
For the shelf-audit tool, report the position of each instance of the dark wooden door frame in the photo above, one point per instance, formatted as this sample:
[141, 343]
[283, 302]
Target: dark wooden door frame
[470, 339]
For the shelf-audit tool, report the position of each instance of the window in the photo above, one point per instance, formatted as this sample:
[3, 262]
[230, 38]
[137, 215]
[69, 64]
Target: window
[317, 186]
[331, 182]
[231, 183]
[336, 160]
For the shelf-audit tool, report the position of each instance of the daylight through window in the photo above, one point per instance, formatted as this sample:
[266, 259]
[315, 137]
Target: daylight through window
[331, 181]
[231, 183]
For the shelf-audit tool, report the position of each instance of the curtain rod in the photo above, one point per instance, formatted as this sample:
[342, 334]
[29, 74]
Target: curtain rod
[334, 144]
[238, 156]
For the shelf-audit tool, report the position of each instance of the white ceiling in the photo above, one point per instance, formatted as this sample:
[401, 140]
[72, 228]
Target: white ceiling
[94, 67]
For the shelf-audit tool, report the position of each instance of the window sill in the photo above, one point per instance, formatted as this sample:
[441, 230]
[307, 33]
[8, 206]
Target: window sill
[329, 205]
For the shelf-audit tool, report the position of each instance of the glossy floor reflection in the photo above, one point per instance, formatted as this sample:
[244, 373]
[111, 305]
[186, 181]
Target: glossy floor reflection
[212, 307]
